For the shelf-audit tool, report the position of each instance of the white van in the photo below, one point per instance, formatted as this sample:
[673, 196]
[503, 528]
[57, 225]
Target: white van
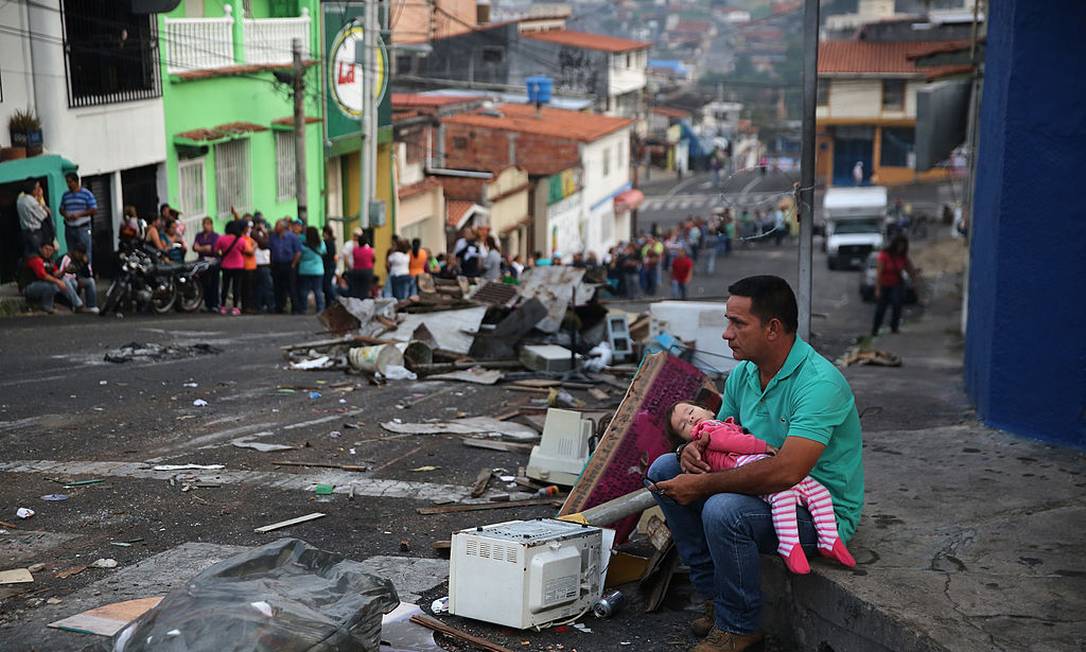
[853, 224]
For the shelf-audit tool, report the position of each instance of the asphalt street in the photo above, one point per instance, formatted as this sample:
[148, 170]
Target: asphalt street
[67, 414]
[669, 202]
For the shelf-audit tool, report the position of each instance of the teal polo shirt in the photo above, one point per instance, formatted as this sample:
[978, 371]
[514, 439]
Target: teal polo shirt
[807, 398]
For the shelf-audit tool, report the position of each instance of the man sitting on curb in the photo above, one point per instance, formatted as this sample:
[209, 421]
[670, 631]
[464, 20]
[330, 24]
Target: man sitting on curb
[787, 394]
[41, 285]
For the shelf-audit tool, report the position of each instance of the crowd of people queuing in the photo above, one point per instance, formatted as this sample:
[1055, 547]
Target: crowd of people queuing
[278, 267]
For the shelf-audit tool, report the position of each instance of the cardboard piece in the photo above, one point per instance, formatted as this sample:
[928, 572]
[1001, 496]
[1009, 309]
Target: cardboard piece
[108, 619]
[16, 576]
[635, 437]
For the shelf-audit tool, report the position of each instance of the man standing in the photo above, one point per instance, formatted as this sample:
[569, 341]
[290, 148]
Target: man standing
[35, 221]
[682, 270]
[41, 284]
[286, 251]
[78, 207]
[787, 394]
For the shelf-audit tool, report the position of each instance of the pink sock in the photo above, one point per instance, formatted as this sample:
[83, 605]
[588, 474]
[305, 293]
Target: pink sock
[796, 561]
[839, 552]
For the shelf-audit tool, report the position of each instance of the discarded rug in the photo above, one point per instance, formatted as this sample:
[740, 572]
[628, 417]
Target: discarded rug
[468, 426]
[635, 437]
[856, 355]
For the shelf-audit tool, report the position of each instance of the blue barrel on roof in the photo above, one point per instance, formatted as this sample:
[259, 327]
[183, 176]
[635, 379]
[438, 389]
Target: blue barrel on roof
[539, 89]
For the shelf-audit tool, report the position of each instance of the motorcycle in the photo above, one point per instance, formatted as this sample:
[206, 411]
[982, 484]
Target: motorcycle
[145, 281]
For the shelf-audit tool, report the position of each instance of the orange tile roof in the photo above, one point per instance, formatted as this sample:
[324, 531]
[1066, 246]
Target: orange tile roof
[671, 112]
[876, 57]
[559, 123]
[429, 183]
[221, 131]
[289, 120]
[455, 210]
[414, 100]
[588, 41]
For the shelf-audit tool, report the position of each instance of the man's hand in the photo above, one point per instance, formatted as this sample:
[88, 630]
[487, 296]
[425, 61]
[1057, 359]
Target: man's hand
[693, 457]
[683, 489]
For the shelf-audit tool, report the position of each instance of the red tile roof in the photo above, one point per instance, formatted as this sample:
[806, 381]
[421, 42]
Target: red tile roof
[289, 120]
[587, 41]
[559, 123]
[455, 210]
[877, 57]
[221, 131]
[415, 100]
[671, 112]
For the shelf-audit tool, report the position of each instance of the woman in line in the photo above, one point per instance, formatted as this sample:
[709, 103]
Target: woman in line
[399, 271]
[230, 248]
[360, 275]
[311, 271]
[329, 259]
[417, 264]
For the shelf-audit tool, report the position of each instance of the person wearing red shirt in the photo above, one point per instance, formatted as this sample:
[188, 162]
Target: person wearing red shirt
[41, 284]
[890, 282]
[682, 270]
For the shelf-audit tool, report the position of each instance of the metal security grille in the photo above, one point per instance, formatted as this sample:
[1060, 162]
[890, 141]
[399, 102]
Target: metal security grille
[111, 53]
[284, 165]
[232, 176]
[190, 175]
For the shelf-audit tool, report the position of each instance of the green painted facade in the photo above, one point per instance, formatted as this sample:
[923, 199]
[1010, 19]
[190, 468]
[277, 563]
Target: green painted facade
[222, 97]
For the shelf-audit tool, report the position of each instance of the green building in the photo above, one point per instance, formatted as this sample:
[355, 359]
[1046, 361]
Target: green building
[228, 108]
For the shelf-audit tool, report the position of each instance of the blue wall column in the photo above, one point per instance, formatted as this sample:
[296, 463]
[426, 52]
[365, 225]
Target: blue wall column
[1025, 359]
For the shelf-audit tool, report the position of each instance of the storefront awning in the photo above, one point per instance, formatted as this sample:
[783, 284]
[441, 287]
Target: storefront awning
[629, 200]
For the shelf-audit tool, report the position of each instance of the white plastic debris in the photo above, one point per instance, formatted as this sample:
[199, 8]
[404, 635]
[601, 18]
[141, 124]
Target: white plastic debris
[189, 467]
[262, 607]
[191, 385]
[440, 606]
[600, 356]
[399, 372]
[24, 512]
[199, 403]
[104, 563]
[581, 627]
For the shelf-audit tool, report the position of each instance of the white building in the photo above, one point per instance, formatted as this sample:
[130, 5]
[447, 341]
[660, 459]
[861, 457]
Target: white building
[90, 72]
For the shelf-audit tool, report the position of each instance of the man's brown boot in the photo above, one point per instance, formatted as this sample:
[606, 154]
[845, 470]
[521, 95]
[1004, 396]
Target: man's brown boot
[703, 624]
[720, 641]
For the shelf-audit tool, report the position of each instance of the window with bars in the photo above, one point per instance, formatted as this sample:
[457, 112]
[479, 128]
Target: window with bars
[284, 165]
[893, 94]
[232, 176]
[111, 53]
[606, 161]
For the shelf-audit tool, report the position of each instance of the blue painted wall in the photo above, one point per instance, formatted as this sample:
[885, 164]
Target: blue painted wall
[1025, 362]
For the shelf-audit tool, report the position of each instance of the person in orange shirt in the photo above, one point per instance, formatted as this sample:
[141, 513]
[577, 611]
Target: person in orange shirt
[416, 264]
[248, 274]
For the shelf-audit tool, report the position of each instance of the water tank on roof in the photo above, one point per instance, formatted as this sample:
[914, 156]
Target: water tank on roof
[539, 89]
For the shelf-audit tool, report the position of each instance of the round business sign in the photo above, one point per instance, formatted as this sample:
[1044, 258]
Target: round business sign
[345, 75]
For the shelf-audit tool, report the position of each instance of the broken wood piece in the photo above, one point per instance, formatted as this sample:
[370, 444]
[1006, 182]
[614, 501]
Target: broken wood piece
[598, 394]
[16, 576]
[479, 507]
[68, 572]
[490, 444]
[481, 482]
[507, 415]
[320, 465]
[9, 525]
[108, 619]
[537, 382]
[289, 522]
[458, 634]
[532, 390]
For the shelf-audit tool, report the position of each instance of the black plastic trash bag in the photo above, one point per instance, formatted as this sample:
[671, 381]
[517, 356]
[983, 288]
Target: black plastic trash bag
[286, 596]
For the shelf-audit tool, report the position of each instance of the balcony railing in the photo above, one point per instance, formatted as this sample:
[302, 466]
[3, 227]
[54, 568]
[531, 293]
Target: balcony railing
[208, 43]
[269, 40]
[199, 43]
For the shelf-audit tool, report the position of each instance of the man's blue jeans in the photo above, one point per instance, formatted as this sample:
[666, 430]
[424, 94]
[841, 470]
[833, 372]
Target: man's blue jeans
[75, 234]
[720, 539]
[44, 292]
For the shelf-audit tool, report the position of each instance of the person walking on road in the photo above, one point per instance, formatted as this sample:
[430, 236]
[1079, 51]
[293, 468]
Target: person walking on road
[682, 270]
[890, 282]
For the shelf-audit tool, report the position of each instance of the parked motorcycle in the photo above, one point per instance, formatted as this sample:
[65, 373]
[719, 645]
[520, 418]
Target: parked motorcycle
[144, 282]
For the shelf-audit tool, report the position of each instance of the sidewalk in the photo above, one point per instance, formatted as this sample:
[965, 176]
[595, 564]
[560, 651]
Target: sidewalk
[971, 538]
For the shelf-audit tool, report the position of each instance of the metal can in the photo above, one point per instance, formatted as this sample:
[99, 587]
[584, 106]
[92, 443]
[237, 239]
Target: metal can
[610, 604]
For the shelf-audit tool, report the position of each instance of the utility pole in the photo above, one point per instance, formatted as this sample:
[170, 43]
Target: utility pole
[368, 153]
[300, 186]
[805, 193]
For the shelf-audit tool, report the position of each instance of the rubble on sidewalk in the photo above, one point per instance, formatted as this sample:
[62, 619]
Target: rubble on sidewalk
[137, 351]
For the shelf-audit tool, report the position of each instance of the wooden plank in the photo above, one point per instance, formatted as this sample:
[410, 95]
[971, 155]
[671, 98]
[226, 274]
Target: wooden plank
[289, 522]
[481, 482]
[459, 634]
[16, 576]
[490, 444]
[531, 390]
[321, 465]
[480, 507]
[537, 382]
[108, 619]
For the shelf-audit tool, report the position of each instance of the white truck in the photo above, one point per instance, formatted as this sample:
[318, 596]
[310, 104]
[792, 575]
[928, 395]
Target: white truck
[853, 224]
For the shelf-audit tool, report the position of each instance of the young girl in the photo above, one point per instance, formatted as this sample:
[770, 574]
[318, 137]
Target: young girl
[730, 446]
